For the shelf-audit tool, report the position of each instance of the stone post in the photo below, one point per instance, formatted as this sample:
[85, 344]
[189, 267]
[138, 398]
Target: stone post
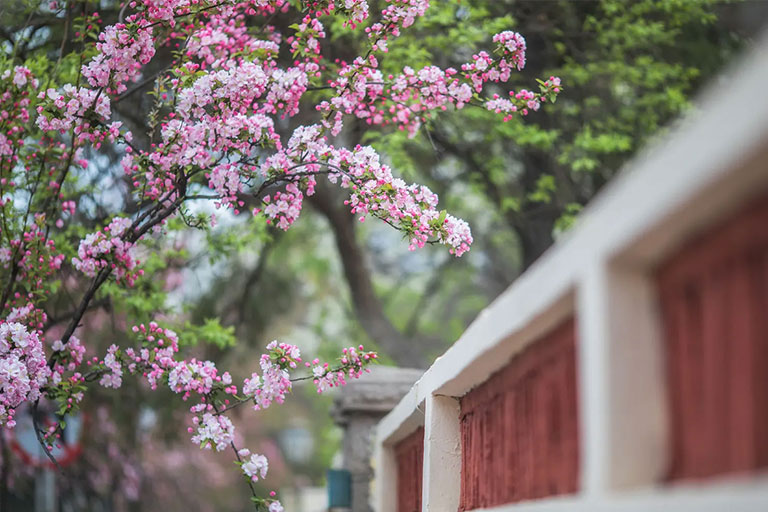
[357, 408]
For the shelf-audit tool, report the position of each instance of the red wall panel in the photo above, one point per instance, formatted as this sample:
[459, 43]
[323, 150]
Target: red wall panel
[714, 303]
[519, 429]
[409, 453]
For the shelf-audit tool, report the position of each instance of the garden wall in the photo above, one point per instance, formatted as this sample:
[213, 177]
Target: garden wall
[627, 370]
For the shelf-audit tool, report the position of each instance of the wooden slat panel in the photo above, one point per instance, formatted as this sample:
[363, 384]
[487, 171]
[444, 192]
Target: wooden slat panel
[519, 429]
[409, 454]
[714, 303]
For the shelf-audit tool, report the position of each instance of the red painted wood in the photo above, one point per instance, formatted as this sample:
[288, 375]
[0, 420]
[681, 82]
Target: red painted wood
[409, 454]
[519, 429]
[714, 301]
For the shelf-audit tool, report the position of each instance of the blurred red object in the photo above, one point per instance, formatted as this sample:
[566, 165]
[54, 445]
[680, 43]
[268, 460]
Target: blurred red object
[714, 302]
[409, 454]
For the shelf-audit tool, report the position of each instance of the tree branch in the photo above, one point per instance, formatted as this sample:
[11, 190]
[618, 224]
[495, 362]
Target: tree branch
[404, 350]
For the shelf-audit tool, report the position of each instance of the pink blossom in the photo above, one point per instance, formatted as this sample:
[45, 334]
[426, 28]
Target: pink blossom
[122, 52]
[217, 107]
[23, 369]
[255, 466]
[113, 376]
[109, 247]
[213, 430]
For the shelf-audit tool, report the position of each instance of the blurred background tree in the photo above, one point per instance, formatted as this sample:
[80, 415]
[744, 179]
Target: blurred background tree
[629, 68]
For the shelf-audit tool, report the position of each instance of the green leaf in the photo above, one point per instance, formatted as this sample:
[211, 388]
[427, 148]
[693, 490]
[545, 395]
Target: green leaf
[210, 332]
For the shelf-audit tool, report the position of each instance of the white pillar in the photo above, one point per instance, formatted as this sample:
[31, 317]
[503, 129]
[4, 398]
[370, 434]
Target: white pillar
[638, 390]
[384, 485]
[592, 374]
[621, 379]
[441, 482]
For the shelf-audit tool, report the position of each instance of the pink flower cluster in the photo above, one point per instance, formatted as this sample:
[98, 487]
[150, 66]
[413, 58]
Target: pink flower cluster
[354, 362]
[524, 100]
[356, 10]
[156, 361]
[67, 108]
[266, 7]
[220, 114]
[23, 369]
[357, 86]
[14, 106]
[123, 50]
[218, 106]
[196, 143]
[399, 14]
[484, 68]
[157, 354]
[67, 357]
[284, 207]
[254, 465]
[306, 42]
[224, 112]
[513, 47]
[429, 89]
[21, 76]
[82, 110]
[108, 247]
[28, 315]
[287, 88]
[195, 376]
[213, 430]
[407, 99]
[226, 34]
[37, 259]
[553, 84]
[230, 88]
[113, 374]
[373, 190]
[274, 383]
[164, 10]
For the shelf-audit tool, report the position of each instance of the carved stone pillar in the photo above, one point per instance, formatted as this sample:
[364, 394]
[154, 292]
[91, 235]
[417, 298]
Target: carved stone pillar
[357, 408]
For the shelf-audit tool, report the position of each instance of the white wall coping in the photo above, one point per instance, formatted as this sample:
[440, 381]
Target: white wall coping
[736, 494]
[724, 137]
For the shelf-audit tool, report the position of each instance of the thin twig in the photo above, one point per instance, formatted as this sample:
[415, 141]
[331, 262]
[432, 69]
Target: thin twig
[38, 433]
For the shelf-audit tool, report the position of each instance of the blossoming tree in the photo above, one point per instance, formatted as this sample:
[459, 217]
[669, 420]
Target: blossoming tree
[233, 77]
